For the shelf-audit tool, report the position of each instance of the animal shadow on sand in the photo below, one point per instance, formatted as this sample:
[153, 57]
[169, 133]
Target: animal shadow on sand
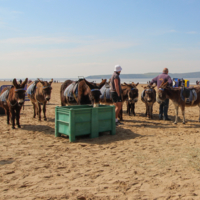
[50, 119]
[106, 138]
[40, 128]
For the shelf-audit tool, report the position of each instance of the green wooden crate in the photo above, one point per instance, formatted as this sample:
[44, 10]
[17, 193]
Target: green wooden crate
[84, 120]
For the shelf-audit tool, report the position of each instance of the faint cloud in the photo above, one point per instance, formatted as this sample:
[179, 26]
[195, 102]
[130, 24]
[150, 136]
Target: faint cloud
[172, 31]
[192, 32]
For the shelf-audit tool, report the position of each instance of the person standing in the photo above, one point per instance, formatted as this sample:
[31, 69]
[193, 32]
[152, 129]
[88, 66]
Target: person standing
[116, 91]
[165, 104]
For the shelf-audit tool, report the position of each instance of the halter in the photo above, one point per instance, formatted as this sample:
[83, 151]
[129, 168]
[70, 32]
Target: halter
[47, 86]
[149, 90]
[20, 90]
[92, 90]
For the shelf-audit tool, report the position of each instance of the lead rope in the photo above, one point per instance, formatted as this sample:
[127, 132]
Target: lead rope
[13, 104]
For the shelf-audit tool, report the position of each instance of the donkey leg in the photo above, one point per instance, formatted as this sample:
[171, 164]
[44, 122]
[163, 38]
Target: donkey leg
[13, 118]
[44, 111]
[133, 109]
[183, 113]
[34, 110]
[18, 117]
[8, 116]
[39, 111]
[146, 108]
[199, 112]
[176, 114]
[151, 112]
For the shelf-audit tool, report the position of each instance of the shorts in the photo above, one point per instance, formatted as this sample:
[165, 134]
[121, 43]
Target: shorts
[115, 97]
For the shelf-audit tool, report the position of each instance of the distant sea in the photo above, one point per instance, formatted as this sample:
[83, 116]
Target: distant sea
[139, 80]
[135, 80]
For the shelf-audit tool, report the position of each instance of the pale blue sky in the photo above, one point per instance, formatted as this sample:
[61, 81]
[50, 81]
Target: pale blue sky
[61, 38]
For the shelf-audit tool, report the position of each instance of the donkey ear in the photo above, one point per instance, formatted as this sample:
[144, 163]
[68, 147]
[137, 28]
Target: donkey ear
[137, 84]
[40, 81]
[25, 82]
[102, 83]
[90, 85]
[165, 84]
[15, 82]
[125, 83]
[51, 81]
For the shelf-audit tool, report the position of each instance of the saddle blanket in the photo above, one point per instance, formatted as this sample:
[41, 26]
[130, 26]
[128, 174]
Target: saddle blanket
[192, 96]
[142, 96]
[105, 92]
[31, 88]
[4, 95]
[71, 90]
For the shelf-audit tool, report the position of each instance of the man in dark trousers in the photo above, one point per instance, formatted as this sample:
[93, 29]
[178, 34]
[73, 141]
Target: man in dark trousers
[116, 91]
[164, 105]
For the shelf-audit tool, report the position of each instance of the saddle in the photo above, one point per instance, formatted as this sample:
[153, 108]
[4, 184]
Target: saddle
[189, 95]
[142, 96]
[4, 95]
[105, 92]
[31, 88]
[72, 91]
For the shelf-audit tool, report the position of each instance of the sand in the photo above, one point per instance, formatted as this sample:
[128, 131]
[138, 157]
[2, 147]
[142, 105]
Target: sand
[146, 159]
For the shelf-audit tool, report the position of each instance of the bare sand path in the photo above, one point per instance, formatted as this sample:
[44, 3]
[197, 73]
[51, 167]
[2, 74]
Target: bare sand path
[146, 159]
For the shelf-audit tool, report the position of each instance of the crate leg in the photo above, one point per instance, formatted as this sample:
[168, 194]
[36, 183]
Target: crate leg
[57, 134]
[113, 130]
[72, 138]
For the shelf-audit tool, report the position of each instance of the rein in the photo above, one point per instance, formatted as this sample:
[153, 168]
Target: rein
[93, 90]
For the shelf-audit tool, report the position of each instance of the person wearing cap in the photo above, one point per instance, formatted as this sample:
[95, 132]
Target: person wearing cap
[165, 104]
[116, 91]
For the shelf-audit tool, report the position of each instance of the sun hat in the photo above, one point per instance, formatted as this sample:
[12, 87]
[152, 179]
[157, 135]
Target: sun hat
[117, 68]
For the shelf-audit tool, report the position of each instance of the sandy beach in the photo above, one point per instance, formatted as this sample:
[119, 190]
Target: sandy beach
[146, 159]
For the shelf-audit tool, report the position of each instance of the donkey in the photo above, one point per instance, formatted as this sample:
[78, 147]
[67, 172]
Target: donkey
[12, 100]
[181, 97]
[39, 92]
[131, 103]
[148, 96]
[81, 92]
[129, 93]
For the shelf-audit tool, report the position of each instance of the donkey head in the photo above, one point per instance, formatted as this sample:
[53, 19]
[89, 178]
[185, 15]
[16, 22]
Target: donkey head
[149, 94]
[94, 93]
[107, 84]
[161, 92]
[19, 94]
[131, 92]
[46, 89]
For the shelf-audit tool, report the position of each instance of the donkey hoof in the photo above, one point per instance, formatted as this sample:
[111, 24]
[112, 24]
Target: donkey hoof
[13, 127]
[183, 122]
[45, 119]
[175, 122]
[19, 126]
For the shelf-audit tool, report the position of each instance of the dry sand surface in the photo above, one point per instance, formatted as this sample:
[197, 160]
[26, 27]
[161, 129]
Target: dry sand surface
[146, 159]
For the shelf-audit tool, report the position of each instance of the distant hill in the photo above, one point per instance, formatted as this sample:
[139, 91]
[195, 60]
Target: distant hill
[147, 75]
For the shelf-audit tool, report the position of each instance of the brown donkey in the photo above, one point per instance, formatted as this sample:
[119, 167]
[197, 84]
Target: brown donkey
[80, 92]
[39, 92]
[148, 96]
[181, 97]
[12, 100]
[129, 93]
